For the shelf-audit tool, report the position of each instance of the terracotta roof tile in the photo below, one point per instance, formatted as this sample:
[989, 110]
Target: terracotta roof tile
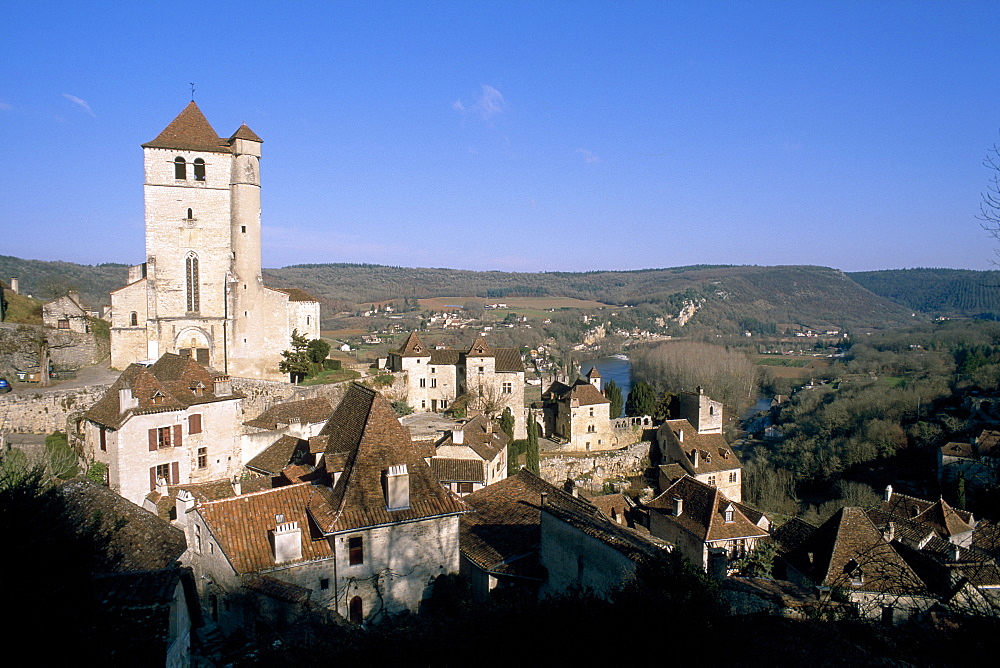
[278, 455]
[295, 294]
[190, 131]
[447, 469]
[481, 436]
[413, 347]
[714, 454]
[244, 132]
[703, 512]
[367, 437]
[581, 391]
[305, 411]
[479, 348]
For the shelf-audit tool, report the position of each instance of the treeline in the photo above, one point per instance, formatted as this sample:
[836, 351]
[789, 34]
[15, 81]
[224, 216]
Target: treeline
[949, 292]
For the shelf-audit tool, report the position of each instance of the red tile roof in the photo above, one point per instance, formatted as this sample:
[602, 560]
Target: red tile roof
[306, 411]
[244, 132]
[365, 438]
[703, 512]
[190, 131]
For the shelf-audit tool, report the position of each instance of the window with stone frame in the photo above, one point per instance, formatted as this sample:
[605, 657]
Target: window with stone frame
[507, 388]
[199, 169]
[711, 480]
[355, 550]
[180, 168]
[202, 458]
[192, 278]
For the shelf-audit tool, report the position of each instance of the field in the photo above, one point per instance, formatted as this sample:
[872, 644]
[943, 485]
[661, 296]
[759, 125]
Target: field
[535, 308]
[792, 366]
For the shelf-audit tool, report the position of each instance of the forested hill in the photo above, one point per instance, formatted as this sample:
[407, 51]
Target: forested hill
[729, 299]
[937, 292]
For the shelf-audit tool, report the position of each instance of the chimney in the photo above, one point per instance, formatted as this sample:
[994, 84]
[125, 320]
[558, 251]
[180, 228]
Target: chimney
[223, 386]
[286, 541]
[695, 458]
[701, 390]
[954, 553]
[888, 494]
[183, 504]
[74, 295]
[15, 285]
[161, 486]
[890, 532]
[545, 498]
[126, 400]
[678, 506]
[457, 436]
[680, 435]
[396, 483]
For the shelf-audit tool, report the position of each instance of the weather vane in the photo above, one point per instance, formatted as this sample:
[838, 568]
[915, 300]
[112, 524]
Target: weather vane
[192, 91]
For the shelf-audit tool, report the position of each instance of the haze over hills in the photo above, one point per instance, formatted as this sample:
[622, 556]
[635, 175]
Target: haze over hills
[728, 298]
[937, 292]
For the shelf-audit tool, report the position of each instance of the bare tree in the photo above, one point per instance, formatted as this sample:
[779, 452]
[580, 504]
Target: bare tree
[989, 206]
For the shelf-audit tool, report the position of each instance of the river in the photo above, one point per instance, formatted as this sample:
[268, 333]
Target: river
[611, 368]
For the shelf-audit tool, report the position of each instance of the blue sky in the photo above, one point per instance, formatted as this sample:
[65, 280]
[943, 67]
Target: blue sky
[519, 136]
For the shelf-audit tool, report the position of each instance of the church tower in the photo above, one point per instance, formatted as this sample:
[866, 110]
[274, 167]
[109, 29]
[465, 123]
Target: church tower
[200, 292]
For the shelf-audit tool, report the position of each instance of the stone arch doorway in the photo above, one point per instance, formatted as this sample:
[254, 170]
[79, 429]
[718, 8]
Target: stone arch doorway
[195, 342]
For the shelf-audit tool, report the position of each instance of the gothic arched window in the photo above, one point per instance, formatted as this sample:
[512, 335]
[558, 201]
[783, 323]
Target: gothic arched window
[180, 168]
[191, 274]
[199, 169]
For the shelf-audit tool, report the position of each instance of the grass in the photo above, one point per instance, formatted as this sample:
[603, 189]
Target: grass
[328, 377]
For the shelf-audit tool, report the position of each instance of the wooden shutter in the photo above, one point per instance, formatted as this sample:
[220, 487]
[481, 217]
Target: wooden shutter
[175, 476]
[177, 436]
[152, 479]
[152, 445]
[194, 424]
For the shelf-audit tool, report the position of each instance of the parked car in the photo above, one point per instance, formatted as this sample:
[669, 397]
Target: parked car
[5, 386]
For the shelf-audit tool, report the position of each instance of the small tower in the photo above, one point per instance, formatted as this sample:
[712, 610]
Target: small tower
[594, 377]
[704, 414]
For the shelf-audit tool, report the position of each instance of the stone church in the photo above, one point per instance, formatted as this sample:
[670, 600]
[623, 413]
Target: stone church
[200, 292]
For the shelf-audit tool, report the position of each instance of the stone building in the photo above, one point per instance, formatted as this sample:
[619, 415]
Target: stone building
[66, 313]
[170, 423]
[470, 457]
[200, 292]
[580, 414]
[366, 540]
[492, 378]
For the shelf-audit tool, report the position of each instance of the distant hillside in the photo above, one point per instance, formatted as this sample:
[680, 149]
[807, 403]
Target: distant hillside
[937, 292]
[729, 299]
[48, 280]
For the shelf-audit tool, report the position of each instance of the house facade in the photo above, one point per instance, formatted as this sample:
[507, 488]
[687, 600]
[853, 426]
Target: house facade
[170, 423]
[200, 292]
[580, 414]
[491, 379]
[471, 457]
[66, 313]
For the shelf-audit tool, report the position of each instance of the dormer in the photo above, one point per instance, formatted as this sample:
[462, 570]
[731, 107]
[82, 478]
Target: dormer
[158, 398]
[286, 540]
[396, 485]
[198, 389]
[728, 513]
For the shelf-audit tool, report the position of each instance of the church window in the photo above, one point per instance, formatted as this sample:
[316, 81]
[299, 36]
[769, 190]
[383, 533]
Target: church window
[133, 319]
[180, 168]
[356, 551]
[193, 298]
[199, 169]
[190, 214]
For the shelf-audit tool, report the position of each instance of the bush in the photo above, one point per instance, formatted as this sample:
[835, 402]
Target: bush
[384, 379]
[402, 408]
[332, 365]
[98, 472]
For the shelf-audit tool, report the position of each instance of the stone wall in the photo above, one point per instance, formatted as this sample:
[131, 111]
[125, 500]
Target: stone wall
[262, 394]
[27, 412]
[591, 470]
[66, 348]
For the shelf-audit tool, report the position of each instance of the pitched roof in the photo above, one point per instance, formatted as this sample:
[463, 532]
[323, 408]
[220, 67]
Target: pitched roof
[445, 356]
[508, 360]
[505, 526]
[479, 348]
[636, 546]
[142, 540]
[365, 439]
[244, 132]
[278, 455]
[593, 373]
[581, 391]
[911, 507]
[305, 411]
[190, 131]
[703, 512]
[413, 347]
[450, 469]
[714, 454]
[295, 294]
[481, 436]
[792, 534]
[243, 524]
[173, 383]
[849, 548]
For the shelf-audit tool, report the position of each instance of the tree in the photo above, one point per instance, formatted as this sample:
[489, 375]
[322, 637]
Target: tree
[295, 362]
[318, 350]
[507, 423]
[531, 451]
[989, 206]
[641, 400]
[614, 395]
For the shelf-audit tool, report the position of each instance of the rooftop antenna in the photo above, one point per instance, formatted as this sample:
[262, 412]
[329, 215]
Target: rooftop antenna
[192, 91]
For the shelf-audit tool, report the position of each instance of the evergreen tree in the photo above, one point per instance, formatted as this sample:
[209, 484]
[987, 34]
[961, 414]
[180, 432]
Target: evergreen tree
[295, 362]
[318, 351]
[614, 395]
[507, 423]
[641, 400]
[531, 454]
